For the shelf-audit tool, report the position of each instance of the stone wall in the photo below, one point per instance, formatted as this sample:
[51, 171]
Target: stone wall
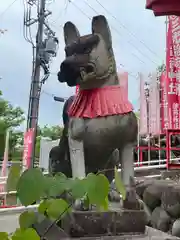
[161, 199]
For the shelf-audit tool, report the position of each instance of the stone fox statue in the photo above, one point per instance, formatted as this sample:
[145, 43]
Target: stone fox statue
[101, 117]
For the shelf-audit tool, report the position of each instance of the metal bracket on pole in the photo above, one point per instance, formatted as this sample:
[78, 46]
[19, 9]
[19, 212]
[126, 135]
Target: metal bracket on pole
[32, 21]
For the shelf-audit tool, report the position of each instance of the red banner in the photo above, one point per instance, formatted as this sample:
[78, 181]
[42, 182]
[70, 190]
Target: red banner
[164, 104]
[174, 26]
[143, 121]
[123, 80]
[154, 105]
[171, 85]
[171, 81]
[28, 145]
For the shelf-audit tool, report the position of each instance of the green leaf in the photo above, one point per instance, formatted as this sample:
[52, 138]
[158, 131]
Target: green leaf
[13, 177]
[61, 176]
[26, 219]
[119, 184]
[78, 188]
[28, 234]
[54, 186]
[43, 206]
[63, 180]
[86, 201]
[97, 188]
[3, 236]
[31, 186]
[17, 232]
[105, 205]
[69, 184]
[58, 209]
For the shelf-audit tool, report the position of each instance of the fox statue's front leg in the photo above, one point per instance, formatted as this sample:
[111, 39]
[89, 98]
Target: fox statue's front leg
[76, 147]
[127, 173]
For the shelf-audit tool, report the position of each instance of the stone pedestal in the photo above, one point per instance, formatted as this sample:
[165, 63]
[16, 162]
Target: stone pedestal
[112, 223]
[121, 225]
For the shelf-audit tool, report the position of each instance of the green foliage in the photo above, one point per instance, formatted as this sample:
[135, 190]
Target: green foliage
[3, 236]
[119, 185]
[57, 208]
[97, 187]
[43, 206]
[27, 234]
[26, 219]
[13, 177]
[54, 132]
[33, 186]
[78, 188]
[105, 205]
[54, 186]
[10, 118]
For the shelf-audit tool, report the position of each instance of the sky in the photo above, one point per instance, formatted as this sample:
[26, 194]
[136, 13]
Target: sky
[138, 43]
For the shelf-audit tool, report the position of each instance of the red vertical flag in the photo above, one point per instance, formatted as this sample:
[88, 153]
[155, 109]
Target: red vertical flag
[164, 103]
[123, 80]
[173, 71]
[154, 106]
[143, 124]
[28, 147]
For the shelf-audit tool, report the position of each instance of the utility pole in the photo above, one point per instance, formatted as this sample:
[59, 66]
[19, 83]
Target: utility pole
[34, 99]
[34, 92]
[44, 50]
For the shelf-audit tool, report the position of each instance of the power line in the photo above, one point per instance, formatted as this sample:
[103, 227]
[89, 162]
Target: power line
[52, 23]
[88, 18]
[63, 11]
[128, 30]
[113, 29]
[8, 7]
[127, 40]
[80, 10]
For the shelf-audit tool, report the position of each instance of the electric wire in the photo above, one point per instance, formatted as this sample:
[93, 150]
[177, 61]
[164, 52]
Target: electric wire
[27, 30]
[7, 8]
[127, 29]
[63, 11]
[117, 31]
[119, 34]
[113, 28]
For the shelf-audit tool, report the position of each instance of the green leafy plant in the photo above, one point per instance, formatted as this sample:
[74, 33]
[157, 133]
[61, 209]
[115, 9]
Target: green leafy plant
[13, 177]
[119, 185]
[32, 186]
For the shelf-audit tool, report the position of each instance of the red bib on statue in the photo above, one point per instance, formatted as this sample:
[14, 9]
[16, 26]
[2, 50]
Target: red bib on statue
[100, 102]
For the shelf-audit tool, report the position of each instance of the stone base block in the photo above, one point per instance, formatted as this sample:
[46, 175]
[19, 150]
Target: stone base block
[150, 234]
[112, 223]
